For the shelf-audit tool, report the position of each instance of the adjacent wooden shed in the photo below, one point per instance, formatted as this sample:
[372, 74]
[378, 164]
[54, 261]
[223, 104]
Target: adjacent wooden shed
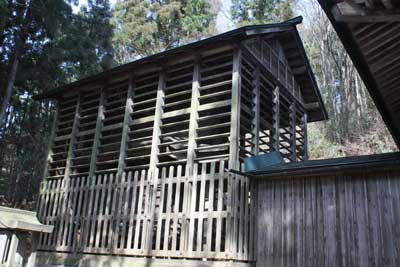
[137, 164]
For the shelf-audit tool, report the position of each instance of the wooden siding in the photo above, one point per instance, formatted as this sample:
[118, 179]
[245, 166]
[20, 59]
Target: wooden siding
[342, 219]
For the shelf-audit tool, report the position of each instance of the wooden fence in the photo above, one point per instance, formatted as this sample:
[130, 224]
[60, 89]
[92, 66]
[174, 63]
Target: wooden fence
[330, 220]
[207, 215]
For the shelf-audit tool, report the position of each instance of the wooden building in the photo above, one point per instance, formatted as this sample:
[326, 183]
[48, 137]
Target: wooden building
[138, 164]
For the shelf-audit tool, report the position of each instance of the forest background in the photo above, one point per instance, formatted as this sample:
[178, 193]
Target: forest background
[48, 43]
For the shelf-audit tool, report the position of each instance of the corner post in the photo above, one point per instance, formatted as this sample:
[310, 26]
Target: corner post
[234, 158]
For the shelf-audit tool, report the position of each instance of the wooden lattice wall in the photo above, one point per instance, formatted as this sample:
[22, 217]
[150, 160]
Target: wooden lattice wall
[138, 163]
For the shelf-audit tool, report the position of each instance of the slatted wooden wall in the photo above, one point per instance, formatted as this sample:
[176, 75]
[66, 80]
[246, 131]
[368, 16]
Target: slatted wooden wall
[138, 163]
[330, 220]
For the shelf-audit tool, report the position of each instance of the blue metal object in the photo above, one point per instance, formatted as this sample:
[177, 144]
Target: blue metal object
[262, 162]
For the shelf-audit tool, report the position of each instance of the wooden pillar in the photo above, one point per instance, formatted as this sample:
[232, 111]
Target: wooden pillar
[256, 109]
[157, 124]
[50, 145]
[125, 129]
[191, 154]
[72, 140]
[304, 129]
[235, 111]
[153, 171]
[97, 135]
[234, 162]
[293, 116]
[47, 163]
[66, 201]
[276, 116]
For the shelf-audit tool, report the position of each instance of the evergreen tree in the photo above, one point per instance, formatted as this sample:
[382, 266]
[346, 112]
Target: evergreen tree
[44, 45]
[146, 27]
[245, 12]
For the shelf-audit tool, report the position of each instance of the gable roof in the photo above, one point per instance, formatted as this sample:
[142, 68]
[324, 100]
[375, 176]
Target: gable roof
[286, 31]
[370, 32]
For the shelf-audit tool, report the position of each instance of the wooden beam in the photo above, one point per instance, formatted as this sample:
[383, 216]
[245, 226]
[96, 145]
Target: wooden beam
[352, 13]
[125, 128]
[97, 134]
[311, 106]
[191, 153]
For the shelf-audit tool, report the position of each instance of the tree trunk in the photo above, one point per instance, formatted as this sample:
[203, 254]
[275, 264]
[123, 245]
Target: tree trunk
[9, 88]
[20, 40]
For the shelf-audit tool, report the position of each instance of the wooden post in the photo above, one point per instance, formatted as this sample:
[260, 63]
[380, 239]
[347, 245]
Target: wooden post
[293, 130]
[191, 154]
[125, 129]
[234, 153]
[48, 161]
[304, 128]
[66, 201]
[50, 145]
[276, 117]
[256, 109]
[153, 171]
[235, 111]
[97, 134]
[156, 126]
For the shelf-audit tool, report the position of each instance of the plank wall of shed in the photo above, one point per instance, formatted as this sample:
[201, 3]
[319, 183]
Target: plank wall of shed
[330, 219]
[138, 163]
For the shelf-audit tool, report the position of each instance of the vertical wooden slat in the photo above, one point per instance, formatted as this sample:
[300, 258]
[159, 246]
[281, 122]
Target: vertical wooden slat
[201, 208]
[210, 207]
[220, 203]
[193, 207]
[133, 216]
